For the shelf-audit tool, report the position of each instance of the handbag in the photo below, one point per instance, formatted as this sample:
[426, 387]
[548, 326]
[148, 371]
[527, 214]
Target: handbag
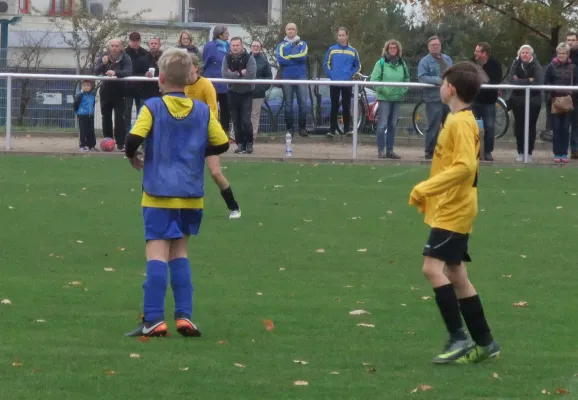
[564, 104]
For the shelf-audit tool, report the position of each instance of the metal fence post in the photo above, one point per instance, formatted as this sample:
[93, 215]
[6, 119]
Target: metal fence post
[8, 111]
[355, 118]
[526, 124]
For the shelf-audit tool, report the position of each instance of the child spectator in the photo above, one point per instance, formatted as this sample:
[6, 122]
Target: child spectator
[84, 108]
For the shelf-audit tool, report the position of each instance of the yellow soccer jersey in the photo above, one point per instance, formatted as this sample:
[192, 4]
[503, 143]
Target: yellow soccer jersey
[450, 195]
[203, 90]
[177, 106]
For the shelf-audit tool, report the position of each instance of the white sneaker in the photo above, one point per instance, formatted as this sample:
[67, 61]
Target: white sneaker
[520, 158]
[235, 214]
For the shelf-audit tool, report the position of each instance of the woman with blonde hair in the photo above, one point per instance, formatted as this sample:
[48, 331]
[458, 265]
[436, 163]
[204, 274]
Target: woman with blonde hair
[201, 89]
[186, 42]
[389, 68]
[526, 70]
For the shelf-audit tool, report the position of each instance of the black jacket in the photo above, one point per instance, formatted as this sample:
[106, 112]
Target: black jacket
[263, 72]
[493, 69]
[152, 89]
[524, 72]
[139, 58]
[122, 68]
[192, 49]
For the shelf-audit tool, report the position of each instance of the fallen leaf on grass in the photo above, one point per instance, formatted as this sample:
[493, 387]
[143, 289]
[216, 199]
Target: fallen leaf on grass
[562, 391]
[17, 363]
[134, 355]
[40, 321]
[282, 269]
[403, 305]
[359, 302]
[6, 301]
[239, 365]
[259, 294]
[426, 297]
[334, 373]
[366, 325]
[110, 372]
[371, 370]
[559, 208]
[422, 388]
[348, 286]
[521, 304]
[35, 370]
[507, 276]
[523, 256]
[63, 194]
[278, 186]
[10, 207]
[222, 342]
[184, 369]
[83, 188]
[389, 212]
[410, 332]
[361, 250]
[269, 325]
[359, 312]
[301, 362]
[109, 269]
[544, 391]
[320, 250]
[307, 220]
[496, 376]
[121, 248]
[301, 383]
[414, 288]
[79, 241]
[75, 283]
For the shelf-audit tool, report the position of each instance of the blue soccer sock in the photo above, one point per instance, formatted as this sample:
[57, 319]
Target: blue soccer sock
[155, 290]
[182, 287]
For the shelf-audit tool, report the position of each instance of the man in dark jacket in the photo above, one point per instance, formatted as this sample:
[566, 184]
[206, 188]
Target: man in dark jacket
[152, 89]
[484, 106]
[134, 90]
[572, 42]
[115, 63]
[263, 72]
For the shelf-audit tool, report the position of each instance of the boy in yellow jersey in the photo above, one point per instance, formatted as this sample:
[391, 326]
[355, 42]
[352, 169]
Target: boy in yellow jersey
[202, 89]
[177, 133]
[449, 199]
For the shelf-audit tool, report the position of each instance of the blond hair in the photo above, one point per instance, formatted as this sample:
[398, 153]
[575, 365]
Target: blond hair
[389, 42]
[175, 65]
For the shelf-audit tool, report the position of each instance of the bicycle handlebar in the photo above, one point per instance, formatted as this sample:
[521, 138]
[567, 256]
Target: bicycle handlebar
[364, 77]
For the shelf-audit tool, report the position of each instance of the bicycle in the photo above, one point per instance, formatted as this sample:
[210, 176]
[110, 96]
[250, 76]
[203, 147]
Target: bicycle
[367, 111]
[502, 118]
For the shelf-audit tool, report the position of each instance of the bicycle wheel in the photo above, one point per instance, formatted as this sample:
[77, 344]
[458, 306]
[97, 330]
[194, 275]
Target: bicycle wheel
[419, 118]
[360, 120]
[502, 118]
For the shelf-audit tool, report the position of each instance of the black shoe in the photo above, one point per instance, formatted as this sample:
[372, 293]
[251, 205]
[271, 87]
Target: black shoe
[149, 329]
[303, 132]
[249, 148]
[428, 156]
[488, 157]
[241, 149]
[330, 134]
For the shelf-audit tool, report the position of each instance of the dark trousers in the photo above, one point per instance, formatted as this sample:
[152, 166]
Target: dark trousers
[128, 100]
[241, 106]
[107, 106]
[86, 131]
[487, 113]
[335, 92]
[561, 133]
[224, 112]
[519, 112]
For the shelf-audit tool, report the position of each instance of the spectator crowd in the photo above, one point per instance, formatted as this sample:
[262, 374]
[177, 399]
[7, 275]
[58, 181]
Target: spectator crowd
[239, 105]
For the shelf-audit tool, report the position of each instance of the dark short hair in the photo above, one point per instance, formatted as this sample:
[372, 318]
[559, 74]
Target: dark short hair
[433, 38]
[236, 38]
[572, 33]
[467, 77]
[486, 48]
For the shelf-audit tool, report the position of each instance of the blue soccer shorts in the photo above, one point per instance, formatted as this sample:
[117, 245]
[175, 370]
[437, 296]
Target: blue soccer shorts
[171, 223]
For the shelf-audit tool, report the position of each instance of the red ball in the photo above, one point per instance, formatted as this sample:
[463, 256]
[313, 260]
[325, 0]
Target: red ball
[107, 144]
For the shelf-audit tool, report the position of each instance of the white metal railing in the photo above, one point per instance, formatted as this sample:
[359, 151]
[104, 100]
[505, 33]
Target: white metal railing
[356, 85]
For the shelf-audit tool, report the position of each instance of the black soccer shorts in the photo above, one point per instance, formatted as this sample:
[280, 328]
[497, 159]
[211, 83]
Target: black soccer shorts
[447, 246]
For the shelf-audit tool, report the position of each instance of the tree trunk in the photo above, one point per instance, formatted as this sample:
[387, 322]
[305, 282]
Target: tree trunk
[554, 36]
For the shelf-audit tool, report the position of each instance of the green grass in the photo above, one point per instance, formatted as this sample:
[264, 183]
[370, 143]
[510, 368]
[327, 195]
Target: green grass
[520, 231]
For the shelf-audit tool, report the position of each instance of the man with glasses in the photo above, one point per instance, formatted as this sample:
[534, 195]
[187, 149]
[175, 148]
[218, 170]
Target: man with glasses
[430, 70]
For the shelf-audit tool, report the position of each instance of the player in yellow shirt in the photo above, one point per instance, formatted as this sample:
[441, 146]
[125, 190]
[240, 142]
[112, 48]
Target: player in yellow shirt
[449, 199]
[177, 133]
[202, 89]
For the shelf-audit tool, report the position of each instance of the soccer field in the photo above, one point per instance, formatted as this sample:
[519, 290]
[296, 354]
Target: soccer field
[315, 242]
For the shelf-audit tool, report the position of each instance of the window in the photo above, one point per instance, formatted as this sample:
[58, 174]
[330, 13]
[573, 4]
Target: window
[61, 7]
[24, 6]
[226, 11]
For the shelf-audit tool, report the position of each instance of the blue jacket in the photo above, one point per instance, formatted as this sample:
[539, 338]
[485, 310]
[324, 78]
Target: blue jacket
[341, 63]
[292, 58]
[175, 151]
[213, 54]
[84, 103]
[428, 71]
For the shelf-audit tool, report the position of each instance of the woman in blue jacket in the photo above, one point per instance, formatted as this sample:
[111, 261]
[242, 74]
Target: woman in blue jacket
[213, 54]
[341, 64]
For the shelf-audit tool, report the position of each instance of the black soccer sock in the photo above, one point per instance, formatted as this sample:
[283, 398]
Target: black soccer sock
[227, 194]
[449, 308]
[476, 322]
